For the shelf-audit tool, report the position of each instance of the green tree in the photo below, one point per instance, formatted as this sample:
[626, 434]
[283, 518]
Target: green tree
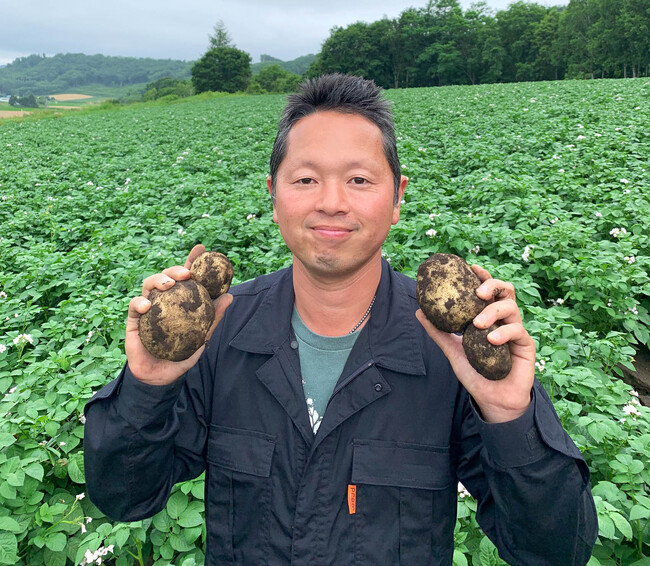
[168, 86]
[274, 79]
[220, 36]
[224, 69]
[358, 49]
[517, 27]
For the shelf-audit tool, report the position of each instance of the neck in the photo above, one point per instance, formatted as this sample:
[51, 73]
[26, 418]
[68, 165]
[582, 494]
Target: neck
[332, 306]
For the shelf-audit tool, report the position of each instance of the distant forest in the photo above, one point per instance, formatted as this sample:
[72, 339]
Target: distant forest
[39, 74]
[297, 66]
[441, 44]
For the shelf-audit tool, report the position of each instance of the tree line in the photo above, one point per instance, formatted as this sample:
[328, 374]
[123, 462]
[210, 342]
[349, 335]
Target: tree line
[39, 74]
[440, 44]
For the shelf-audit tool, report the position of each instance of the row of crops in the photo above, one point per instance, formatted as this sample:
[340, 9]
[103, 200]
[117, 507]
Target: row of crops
[545, 184]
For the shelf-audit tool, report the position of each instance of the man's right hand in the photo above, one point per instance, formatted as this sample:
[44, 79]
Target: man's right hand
[142, 364]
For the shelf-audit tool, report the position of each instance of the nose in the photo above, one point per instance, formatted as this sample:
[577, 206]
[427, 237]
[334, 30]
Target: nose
[333, 198]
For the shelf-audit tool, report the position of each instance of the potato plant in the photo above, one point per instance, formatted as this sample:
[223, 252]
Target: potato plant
[543, 184]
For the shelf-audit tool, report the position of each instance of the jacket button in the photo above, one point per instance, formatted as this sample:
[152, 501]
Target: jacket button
[378, 387]
[294, 344]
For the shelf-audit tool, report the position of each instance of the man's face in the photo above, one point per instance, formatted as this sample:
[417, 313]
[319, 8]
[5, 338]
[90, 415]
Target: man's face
[334, 194]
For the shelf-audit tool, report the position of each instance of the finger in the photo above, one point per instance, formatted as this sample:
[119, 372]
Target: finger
[448, 342]
[177, 272]
[194, 253]
[505, 312]
[496, 289]
[514, 333]
[137, 306]
[157, 281]
[220, 306]
[483, 274]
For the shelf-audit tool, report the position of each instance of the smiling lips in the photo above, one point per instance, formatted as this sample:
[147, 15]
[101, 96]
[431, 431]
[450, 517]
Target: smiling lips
[334, 232]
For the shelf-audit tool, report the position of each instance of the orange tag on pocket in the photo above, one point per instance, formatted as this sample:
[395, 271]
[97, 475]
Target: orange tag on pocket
[352, 499]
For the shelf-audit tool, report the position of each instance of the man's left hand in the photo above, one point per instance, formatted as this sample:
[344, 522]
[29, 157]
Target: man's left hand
[508, 398]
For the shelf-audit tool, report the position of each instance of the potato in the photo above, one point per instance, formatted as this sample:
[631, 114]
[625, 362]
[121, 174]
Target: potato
[492, 362]
[446, 294]
[176, 324]
[214, 271]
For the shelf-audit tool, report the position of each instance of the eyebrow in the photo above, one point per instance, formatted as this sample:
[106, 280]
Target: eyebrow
[350, 165]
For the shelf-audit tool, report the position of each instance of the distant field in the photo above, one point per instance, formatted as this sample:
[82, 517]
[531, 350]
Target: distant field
[67, 97]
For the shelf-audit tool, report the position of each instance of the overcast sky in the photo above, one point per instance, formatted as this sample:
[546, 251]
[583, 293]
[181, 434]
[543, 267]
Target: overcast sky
[163, 29]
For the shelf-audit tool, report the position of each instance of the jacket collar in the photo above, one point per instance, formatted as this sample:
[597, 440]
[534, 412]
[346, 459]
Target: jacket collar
[393, 331]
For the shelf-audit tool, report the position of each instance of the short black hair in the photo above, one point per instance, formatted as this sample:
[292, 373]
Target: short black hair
[340, 93]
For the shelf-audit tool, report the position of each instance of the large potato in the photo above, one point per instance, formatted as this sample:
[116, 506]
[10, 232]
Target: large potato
[214, 271]
[446, 294]
[177, 323]
[492, 362]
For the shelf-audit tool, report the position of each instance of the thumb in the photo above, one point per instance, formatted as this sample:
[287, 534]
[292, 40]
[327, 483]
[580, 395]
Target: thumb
[220, 306]
[450, 344]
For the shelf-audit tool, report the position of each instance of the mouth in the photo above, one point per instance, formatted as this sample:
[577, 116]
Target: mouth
[333, 232]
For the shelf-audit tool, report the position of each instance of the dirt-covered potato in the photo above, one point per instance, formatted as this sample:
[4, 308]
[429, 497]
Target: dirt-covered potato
[492, 362]
[446, 294]
[214, 271]
[176, 324]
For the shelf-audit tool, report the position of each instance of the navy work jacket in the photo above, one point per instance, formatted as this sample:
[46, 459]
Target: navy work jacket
[377, 485]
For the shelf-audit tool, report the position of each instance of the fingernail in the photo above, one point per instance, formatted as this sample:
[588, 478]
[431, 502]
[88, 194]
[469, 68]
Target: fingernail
[494, 335]
[482, 289]
[144, 303]
[167, 281]
[480, 320]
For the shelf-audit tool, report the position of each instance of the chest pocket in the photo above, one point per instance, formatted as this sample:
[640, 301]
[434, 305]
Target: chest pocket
[239, 494]
[405, 503]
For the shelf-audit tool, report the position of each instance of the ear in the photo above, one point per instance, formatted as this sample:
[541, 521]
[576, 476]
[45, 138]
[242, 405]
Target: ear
[400, 194]
[269, 185]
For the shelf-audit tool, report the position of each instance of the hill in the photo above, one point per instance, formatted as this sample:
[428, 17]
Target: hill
[298, 66]
[39, 74]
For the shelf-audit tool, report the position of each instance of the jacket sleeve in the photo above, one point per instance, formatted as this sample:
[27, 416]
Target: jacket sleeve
[141, 439]
[532, 486]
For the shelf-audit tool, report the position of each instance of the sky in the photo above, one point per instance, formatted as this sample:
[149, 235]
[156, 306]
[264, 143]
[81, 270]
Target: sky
[163, 29]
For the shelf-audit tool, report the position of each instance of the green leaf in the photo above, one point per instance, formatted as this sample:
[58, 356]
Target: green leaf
[190, 518]
[56, 541]
[97, 352]
[8, 548]
[7, 491]
[179, 544]
[192, 534]
[6, 439]
[606, 527]
[639, 512]
[76, 468]
[9, 524]
[121, 537]
[35, 470]
[459, 558]
[176, 504]
[166, 551]
[162, 521]
[52, 558]
[622, 525]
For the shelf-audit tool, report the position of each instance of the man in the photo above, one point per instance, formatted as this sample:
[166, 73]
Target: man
[333, 426]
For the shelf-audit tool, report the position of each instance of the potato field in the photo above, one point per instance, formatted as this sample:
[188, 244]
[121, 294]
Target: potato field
[546, 185]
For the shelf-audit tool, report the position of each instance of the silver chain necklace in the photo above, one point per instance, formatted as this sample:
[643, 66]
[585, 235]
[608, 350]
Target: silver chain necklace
[358, 324]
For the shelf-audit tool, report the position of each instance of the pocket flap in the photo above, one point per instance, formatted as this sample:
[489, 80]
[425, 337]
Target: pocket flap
[241, 450]
[401, 464]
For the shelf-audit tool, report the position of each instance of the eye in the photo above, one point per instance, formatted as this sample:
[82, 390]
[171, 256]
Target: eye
[305, 181]
[359, 181]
